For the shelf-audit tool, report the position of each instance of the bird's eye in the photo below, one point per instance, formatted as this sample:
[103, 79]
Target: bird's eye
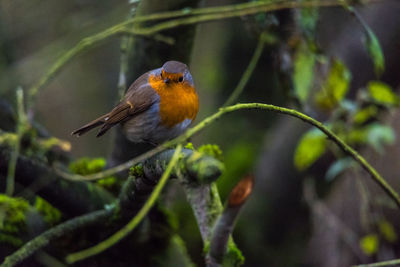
[180, 79]
[161, 75]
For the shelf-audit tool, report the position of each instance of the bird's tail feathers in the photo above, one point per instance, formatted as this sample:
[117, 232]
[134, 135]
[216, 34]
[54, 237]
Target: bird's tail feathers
[93, 124]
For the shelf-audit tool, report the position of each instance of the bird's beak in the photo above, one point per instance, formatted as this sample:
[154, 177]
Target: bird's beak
[167, 80]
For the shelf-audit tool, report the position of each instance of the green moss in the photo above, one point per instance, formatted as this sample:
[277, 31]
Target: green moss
[50, 214]
[85, 166]
[234, 256]
[108, 183]
[190, 146]
[206, 247]
[211, 150]
[136, 171]
[12, 214]
[8, 139]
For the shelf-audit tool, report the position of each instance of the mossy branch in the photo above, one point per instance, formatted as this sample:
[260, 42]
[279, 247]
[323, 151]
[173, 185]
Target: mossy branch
[183, 17]
[223, 228]
[115, 238]
[55, 232]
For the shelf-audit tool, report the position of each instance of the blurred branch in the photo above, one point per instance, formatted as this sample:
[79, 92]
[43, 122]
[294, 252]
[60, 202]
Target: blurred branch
[115, 238]
[380, 264]
[224, 227]
[20, 129]
[125, 47]
[60, 230]
[248, 72]
[72, 198]
[191, 16]
[324, 214]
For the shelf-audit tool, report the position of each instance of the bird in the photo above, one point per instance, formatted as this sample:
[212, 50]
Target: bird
[159, 105]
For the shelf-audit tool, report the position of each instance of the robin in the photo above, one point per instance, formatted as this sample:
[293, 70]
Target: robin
[158, 106]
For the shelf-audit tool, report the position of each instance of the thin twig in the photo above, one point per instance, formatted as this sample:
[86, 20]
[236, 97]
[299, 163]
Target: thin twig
[21, 125]
[115, 238]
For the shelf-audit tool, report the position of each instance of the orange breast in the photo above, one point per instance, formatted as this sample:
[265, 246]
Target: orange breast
[178, 101]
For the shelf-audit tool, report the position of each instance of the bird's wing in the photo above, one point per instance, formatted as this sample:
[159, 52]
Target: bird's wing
[139, 97]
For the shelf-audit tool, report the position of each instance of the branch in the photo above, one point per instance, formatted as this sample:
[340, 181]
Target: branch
[224, 227]
[115, 238]
[72, 198]
[190, 16]
[62, 229]
[380, 264]
[206, 205]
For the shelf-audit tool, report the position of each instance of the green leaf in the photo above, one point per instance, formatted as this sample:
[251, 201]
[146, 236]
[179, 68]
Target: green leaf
[365, 114]
[375, 134]
[380, 135]
[338, 167]
[382, 93]
[311, 146]
[335, 87]
[358, 135]
[387, 230]
[369, 244]
[303, 72]
[374, 50]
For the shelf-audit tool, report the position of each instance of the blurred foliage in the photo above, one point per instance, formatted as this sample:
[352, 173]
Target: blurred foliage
[369, 244]
[374, 50]
[303, 72]
[338, 167]
[382, 93]
[335, 86]
[311, 146]
[387, 231]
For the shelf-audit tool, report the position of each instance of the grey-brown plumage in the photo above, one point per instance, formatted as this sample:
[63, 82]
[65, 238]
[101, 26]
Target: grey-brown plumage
[139, 97]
